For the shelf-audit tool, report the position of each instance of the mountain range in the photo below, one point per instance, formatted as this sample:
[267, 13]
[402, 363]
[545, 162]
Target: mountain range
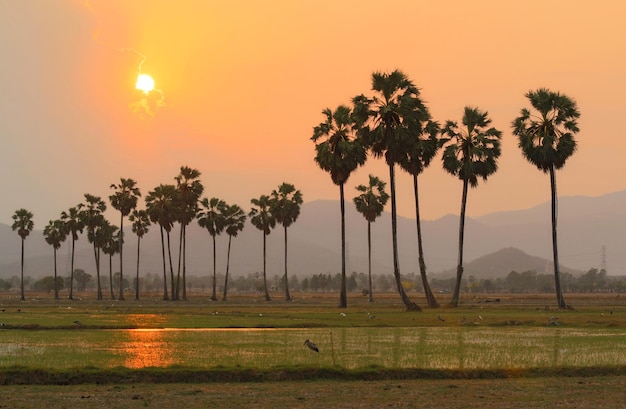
[591, 235]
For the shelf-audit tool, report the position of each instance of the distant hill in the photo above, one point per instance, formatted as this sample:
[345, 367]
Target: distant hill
[591, 231]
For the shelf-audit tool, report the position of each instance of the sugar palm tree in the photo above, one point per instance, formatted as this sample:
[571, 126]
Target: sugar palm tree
[211, 217]
[285, 205]
[109, 240]
[190, 189]
[339, 152]
[140, 224]
[125, 200]
[546, 138]
[262, 218]
[93, 218]
[371, 203]
[55, 233]
[235, 222]
[422, 149]
[391, 119]
[471, 152]
[161, 205]
[74, 223]
[23, 224]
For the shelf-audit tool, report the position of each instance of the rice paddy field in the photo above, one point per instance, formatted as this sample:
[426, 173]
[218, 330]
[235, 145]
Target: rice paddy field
[246, 341]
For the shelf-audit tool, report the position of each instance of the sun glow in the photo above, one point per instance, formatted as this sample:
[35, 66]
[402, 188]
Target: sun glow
[144, 83]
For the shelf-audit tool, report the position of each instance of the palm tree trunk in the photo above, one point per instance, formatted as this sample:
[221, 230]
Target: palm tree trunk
[72, 271]
[410, 305]
[96, 256]
[121, 297]
[56, 286]
[111, 276]
[267, 294]
[185, 263]
[180, 256]
[137, 277]
[287, 296]
[343, 299]
[369, 259]
[169, 254]
[430, 298]
[22, 281]
[555, 253]
[224, 296]
[214, 296]
[459, 268]
[165, 296]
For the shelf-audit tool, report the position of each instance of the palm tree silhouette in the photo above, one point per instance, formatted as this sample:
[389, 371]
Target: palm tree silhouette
[371, 203]
[339, 152]
[211, 217]
[74, 223]
[92, 217]
[546, 139]
[262, 218]
[471, 152]
[55, 233]
[23, 224]
[391, 119]
[125, 200]
[235, 219]
[109, 240]
[140, 223]
[285, 205]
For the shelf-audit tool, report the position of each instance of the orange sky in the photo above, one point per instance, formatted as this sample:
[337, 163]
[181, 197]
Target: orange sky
[244, 83]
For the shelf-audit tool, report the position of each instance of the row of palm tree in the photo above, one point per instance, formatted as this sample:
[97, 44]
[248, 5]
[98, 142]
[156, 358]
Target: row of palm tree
[395, 124]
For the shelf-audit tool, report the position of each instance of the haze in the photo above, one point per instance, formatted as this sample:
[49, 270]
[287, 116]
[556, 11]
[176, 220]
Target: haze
[244, 82]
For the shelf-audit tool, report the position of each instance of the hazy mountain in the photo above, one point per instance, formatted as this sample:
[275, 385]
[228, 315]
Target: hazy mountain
[591, 234]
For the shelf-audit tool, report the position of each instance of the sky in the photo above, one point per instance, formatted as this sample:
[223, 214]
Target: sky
[241, 84]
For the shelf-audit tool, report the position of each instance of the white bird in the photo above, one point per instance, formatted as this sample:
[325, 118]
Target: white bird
[343, 314]
[311, 346]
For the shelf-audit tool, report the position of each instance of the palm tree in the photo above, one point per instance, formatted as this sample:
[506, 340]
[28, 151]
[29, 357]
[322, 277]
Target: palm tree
[339, 152]
[546, 139]
[55, 233]
[160, 205]
[125, 200]
[262, 218]
[211, 217]
[110, 242]
[285, 205]
[371, 203]
[92, 218]
[190, 189]
[471, 152]
[141, 222]
[235, 222]
[391, 119]
[422, 149]
[23, 224]
[74, 223]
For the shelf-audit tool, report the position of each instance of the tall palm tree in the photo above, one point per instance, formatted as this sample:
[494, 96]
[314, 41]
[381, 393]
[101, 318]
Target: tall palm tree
[391, 119]
[211, 217]
[93, 218]
[55, 233]
[262, 218]
[285, 205]
[140, 223]
[371, 203]
[471, 152]
[125, 200]
[546, 139]
[422, 149]
[74, 223]
[23, 224]
[235, 222]
[161, 205]
[190, 189]
[110, 241]
[339, 152]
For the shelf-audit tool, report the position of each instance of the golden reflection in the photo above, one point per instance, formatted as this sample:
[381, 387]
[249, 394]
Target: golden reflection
[147, 348]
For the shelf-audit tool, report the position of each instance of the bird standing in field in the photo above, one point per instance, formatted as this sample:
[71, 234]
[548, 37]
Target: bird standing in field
[311, 345]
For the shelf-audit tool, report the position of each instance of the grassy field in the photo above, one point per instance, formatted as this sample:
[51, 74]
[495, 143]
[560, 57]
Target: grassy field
[492, 351]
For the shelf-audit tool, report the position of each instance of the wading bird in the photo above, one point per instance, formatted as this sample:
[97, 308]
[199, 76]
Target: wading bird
[311, 345]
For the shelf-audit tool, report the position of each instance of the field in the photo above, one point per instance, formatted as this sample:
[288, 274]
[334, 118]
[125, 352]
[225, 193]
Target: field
[491, 351]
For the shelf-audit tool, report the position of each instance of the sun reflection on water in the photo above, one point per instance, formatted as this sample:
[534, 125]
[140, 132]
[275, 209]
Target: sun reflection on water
[147, 348]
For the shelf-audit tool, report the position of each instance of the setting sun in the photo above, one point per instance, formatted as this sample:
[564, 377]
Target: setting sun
[144, 83]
